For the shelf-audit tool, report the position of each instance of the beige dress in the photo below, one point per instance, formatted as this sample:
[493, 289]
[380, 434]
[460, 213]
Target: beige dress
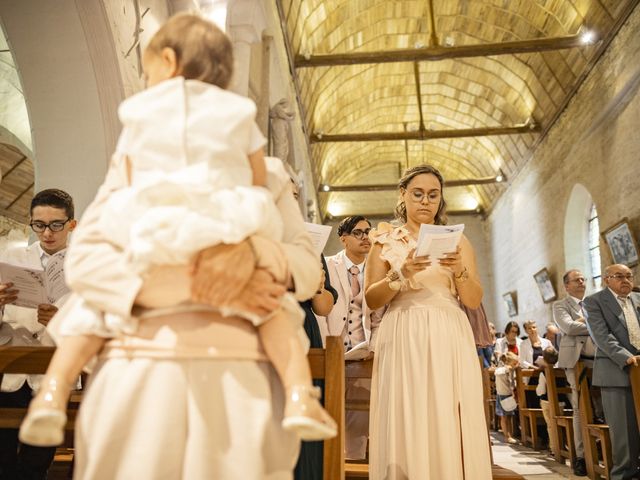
[427, 417]
[190, 394]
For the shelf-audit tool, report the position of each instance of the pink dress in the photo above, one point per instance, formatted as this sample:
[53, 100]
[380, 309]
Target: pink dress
[426, 397]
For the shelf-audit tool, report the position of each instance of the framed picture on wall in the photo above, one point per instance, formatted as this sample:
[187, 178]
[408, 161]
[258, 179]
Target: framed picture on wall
[511, 303]
[621, 243]
[545, 286]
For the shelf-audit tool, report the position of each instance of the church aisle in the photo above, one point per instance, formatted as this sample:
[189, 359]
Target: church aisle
[532, 464]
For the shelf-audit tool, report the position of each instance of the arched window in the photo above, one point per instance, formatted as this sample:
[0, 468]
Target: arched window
[594, 247]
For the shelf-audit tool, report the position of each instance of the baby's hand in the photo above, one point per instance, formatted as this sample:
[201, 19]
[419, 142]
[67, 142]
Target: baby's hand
[220, 273]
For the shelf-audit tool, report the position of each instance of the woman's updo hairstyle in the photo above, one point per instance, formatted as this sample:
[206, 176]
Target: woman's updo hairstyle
[410, 174]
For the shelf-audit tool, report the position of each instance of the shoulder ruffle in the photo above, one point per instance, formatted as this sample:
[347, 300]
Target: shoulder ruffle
[396, 243]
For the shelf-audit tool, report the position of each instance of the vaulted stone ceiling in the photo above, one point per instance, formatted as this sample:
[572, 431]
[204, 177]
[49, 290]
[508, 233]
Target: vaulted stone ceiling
[470, 86]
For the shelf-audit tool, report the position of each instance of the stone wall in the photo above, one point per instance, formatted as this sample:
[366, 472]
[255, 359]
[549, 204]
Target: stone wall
[594, 143]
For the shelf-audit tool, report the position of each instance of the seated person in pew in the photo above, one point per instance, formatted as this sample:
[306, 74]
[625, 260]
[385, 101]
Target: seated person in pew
[175, 166]
[505, 394]
[549, 358]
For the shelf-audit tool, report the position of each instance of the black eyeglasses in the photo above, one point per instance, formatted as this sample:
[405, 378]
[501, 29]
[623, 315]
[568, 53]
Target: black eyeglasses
[55, 226]
[360, 234]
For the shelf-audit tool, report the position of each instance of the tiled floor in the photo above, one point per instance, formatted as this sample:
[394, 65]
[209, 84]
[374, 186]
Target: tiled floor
[533, 465]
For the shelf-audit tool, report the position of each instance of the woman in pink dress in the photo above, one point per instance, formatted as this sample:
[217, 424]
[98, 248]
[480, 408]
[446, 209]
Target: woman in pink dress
[427, 416]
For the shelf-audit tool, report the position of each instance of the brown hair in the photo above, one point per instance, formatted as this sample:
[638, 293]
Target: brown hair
[203, 51]
[410, 174]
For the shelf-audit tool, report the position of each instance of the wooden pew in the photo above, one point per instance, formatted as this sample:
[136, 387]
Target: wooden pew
[32, 361]
[529, 416]
[354, 370]
[634, 373]
[328, 365]
[598, 460]
[561, 424]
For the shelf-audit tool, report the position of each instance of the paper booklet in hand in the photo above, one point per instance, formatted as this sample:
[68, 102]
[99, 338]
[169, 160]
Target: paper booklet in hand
[319, 235]
[36, 286]
[437, 240]
[358, 352]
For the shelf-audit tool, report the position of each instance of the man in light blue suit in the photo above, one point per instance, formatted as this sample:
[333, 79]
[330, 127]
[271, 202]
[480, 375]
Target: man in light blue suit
[612, 317]
[575, 345]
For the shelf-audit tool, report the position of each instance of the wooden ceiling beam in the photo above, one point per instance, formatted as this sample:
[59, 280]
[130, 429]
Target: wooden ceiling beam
[424, 134]
[384, 216]
[386, 187]
[437, 52]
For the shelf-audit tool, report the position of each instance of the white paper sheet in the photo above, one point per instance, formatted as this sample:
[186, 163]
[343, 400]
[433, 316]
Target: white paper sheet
[437, 240]
[319, 235]
[36, 286]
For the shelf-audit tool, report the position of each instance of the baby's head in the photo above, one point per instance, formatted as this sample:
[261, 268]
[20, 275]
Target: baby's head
[511, 359]
[189, 46]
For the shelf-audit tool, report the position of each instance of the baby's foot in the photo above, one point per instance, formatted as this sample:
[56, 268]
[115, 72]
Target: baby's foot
[304, 415]
[44, 423]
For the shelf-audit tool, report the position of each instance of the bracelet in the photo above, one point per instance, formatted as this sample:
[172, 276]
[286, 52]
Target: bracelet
[462, 277]
[395, 280]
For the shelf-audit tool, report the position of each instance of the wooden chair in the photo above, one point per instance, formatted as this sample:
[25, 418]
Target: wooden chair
[529, 416]
[635, 388]
[561, 427]
[328, 365]
[598, 460]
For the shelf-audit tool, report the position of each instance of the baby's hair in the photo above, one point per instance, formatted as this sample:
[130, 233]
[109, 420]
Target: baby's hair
[203, 51]
[550, 356]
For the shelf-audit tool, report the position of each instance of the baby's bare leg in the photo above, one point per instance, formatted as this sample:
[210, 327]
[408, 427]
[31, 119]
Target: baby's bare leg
[73, 353]
[303, 412]
[284, 349]
[44, 424]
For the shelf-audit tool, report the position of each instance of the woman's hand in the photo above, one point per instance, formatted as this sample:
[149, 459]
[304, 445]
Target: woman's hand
[221, 273]
[261, 295]
[453, 261]
[413, 265]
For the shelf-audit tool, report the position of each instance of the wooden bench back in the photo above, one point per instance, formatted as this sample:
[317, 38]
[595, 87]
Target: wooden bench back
[634, 373]
[522, 387]
[328, 365]
[557, 385]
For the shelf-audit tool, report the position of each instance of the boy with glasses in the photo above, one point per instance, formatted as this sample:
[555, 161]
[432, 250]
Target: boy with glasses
[52, 220]
[352, 320]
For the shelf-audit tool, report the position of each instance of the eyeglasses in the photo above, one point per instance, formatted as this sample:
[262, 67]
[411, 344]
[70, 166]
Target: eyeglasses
[577, 280]
[418, 196]
[55, 226]
[620, 276]
[360, 234]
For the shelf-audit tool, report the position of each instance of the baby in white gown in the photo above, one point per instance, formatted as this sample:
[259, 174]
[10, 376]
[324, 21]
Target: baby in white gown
[196, 176]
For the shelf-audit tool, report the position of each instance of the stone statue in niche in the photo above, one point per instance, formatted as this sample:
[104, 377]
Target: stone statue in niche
[280, 132]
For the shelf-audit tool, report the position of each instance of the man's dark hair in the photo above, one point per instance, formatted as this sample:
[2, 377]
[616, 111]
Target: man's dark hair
[53, 197]
[348, 224]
